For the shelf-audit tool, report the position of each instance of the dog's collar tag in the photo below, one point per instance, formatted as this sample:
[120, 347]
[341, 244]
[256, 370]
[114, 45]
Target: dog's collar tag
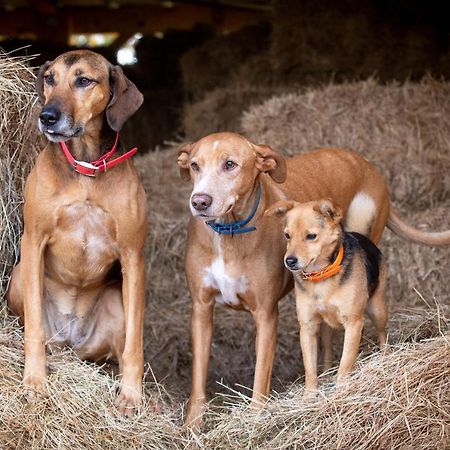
[327, 271]
[91, 169]
[230, 229]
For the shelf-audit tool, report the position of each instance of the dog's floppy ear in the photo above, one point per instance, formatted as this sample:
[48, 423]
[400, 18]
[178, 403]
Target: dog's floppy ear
[125, 100]
[40, 81]
[184, 153]
[271, 162]
[280, 208]
[328, 210]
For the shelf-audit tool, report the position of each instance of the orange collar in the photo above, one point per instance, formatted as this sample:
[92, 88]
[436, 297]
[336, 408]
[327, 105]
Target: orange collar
[327, 271]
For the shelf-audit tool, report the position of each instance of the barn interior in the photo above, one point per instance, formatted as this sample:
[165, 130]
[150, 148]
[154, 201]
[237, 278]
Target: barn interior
[190, 59]
[293, 74]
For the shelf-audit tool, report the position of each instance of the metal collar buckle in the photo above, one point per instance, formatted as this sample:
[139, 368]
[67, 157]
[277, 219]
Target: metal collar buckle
[87, 165]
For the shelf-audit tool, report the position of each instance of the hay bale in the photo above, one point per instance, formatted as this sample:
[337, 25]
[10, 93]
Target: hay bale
[212, 64]
[224, 77]
[78, 411]
[396, 401]
[403, 129]
[220, 110]
[414, 267]
[19, 144]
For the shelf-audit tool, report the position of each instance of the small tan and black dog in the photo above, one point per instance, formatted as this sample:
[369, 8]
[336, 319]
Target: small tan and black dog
[338, 277]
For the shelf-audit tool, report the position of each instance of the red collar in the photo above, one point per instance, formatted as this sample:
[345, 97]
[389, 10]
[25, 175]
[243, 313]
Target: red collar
[91, 169]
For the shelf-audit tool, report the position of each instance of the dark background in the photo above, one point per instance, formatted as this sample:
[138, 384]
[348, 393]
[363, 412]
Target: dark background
[200, 64]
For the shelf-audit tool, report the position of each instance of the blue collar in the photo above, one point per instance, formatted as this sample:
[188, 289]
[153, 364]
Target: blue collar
[237, 227]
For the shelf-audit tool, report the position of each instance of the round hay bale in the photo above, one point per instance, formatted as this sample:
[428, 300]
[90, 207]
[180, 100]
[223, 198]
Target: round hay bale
[220, 110]
[403, 128]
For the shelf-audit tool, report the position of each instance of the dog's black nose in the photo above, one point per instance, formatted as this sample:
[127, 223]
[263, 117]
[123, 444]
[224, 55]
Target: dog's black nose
[291, 262]
[201, 201]
[49, 115]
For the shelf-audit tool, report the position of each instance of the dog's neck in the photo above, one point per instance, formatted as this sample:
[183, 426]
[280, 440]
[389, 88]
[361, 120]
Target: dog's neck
[331, 257]
[246, 204]
[328, 258]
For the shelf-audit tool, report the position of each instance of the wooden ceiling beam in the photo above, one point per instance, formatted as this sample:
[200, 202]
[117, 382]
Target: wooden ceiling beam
[126, 20]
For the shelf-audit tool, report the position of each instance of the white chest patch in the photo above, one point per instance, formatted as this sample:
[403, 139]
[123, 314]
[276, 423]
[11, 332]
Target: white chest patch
[229, 287]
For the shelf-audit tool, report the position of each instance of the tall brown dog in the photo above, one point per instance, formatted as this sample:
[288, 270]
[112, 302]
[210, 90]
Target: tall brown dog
[81, 278]
[239, 266]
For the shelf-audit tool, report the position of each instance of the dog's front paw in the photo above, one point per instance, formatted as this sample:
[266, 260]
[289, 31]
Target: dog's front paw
[310, 395]
[194, 417]
[129, 400]
[35, 387]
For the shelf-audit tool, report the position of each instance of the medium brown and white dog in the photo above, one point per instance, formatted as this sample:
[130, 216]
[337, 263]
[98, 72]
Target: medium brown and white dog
[338, 275]
[81, 278]
[240, 265]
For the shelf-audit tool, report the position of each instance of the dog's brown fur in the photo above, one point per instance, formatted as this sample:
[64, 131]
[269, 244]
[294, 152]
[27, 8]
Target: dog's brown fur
[80, 230]
[314, 234]
[246, 271]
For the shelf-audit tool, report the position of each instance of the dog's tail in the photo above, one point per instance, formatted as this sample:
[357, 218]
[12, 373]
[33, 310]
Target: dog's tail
[402, 229]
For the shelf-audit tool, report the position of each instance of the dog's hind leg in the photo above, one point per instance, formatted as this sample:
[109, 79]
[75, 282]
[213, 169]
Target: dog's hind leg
[103, 335]
[14, 294]
[326, 334]
[377, 309]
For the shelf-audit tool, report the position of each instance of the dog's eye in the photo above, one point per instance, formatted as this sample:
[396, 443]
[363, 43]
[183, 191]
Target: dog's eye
[287, 236]
[49, 79]
[311, 236]
[83, 82]
[195, 167]
[229, 165]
